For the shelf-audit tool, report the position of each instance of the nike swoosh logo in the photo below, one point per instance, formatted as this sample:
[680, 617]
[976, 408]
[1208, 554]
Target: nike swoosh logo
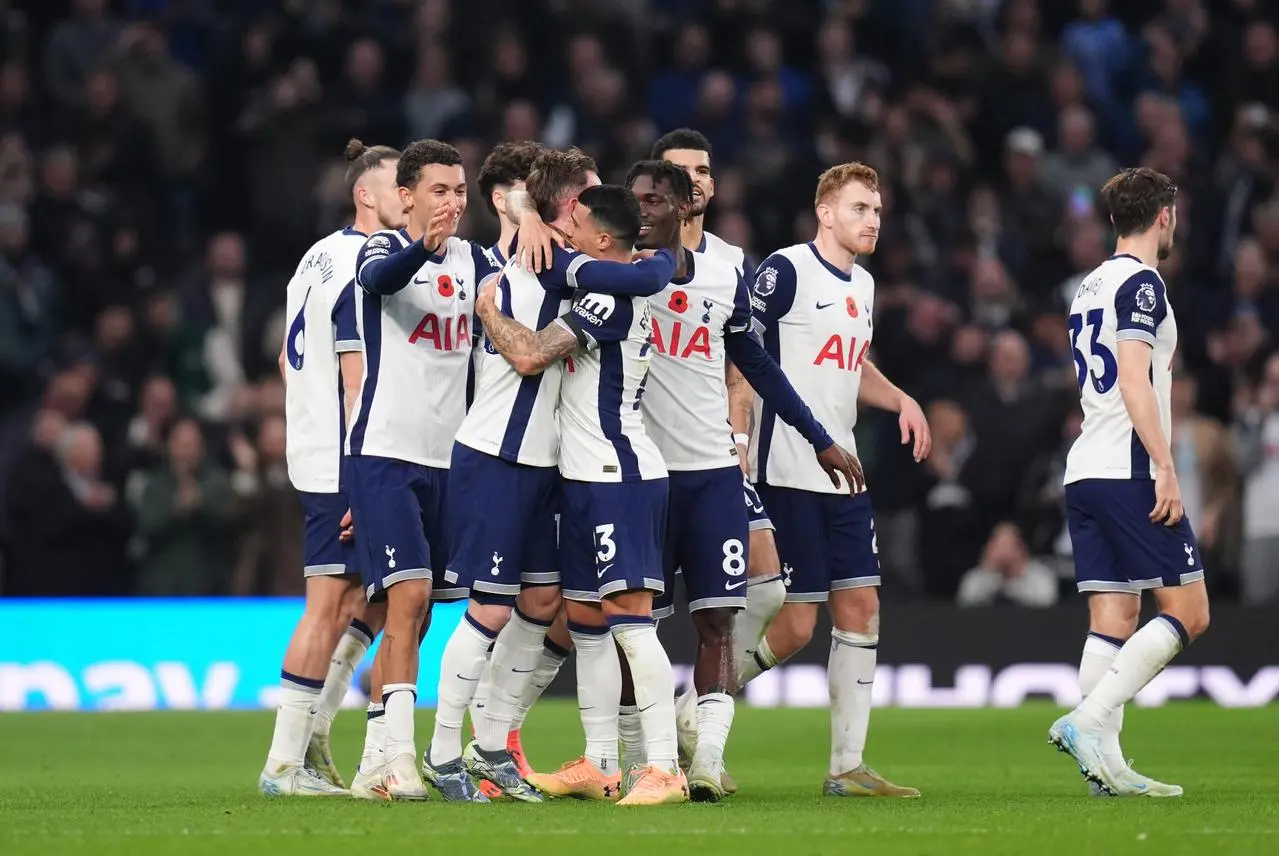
[523, 671]
[824, 305]
[866, 683]
[465, 678]
[731, 586]
[604, 570]
[642, 709]
[419, 281]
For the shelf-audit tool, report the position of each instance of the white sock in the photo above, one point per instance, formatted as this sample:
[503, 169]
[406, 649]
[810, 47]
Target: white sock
[757, 664]
[350, 650]
[293, 720]
[599, 685]
[460, 669]
[654, 690]
[851, 677]
[764, 599]
[483, 690]
[517, 655]
[630, 733]
[686, 709]
[399, 700]
[553, 657]
[1099, 654]
[374, 737]
[1141, 658]
[714, 721]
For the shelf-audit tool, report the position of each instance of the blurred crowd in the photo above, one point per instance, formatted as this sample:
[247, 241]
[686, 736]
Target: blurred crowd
[164, 163]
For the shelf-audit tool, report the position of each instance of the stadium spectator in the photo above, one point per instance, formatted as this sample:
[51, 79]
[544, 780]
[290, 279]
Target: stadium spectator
[270, 550]
[1257, 436]
[184, 518]
[1008, 574]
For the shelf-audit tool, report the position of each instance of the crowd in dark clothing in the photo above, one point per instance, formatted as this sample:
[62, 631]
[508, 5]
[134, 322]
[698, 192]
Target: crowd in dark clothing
[164, 163]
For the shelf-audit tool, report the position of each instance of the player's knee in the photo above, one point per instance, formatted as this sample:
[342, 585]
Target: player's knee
[792, 629]
[541, 603]
[490, 611]
[374, 616]
[856, 610]
[408, 601]
[714, 626]
[1194, 620]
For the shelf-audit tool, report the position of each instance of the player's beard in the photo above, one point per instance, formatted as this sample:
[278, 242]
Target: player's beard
[699, 206]
[1165, 249]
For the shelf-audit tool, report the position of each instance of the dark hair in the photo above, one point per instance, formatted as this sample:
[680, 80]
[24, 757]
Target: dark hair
[659, 170]
[615, 209]
[1135, 197]
[555, 176]
[681, 138]
[506, 164]
[421, 154]
[361, 158]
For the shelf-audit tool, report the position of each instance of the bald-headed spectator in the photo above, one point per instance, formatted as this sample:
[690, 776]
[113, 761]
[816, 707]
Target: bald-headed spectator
[67, 526]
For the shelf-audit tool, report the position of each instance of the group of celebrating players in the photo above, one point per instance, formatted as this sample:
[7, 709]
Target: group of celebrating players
[557, 427]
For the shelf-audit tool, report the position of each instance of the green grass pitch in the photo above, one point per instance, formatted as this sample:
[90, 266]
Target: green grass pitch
[184, 783]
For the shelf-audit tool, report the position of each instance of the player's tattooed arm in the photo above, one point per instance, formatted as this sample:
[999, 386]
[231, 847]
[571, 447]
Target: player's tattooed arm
[741, 410]
[528, 352]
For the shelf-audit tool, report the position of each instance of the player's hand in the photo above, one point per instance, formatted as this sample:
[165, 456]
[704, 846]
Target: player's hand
[640, 255]
[913, 424]
[1168, 509]
[535, 243]
[836, 461]
[346, 527]
[442, 224]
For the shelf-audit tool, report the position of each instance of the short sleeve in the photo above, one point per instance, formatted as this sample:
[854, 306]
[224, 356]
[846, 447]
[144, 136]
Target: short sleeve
[379, 246]
[346, 333]
[599, 318]
[773, 293]
[740, 320]
[1141, 304]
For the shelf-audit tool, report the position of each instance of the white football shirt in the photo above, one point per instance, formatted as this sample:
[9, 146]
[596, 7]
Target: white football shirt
[1122, 299]
[815, 321]
[685, 402]
[319, 301]
[514, 417]
[417, 353]
[602, 435]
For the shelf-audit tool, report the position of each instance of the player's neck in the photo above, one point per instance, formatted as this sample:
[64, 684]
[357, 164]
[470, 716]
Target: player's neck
[693, 231]
[414, 230]
[1143, 247]
[366, 223]
[834, 254]
[505, 237]
[681, 258]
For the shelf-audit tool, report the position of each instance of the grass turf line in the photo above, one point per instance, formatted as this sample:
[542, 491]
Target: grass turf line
[168, 783]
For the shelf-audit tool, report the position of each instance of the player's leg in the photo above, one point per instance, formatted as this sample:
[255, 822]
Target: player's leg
[765, 589]
[307, 658]
[629, 521]
[1165, 558]
[854, 609]
[386, 505]
[1112, 619]
[518, 659]
[714, 554]
[595, 774]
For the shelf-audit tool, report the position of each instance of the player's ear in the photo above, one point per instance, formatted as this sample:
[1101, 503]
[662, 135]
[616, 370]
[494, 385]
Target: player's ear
[406, 198]
[710, 190]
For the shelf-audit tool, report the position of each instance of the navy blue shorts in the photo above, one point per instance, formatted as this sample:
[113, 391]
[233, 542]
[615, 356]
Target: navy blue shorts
[707, 540]
[400, 515]
[1117, 548]
[611, 537]
[323, 555]
[826, 541]
[756, 514]
[502, 526]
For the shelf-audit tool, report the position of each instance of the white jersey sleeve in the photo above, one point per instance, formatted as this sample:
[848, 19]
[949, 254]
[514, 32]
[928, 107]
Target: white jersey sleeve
[417, 354]
[318, 301]
[602, 435]
[816, 323]
[685, 403]
[1123, 299]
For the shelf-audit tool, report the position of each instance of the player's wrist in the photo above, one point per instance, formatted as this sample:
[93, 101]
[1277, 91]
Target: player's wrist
[742, 439]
